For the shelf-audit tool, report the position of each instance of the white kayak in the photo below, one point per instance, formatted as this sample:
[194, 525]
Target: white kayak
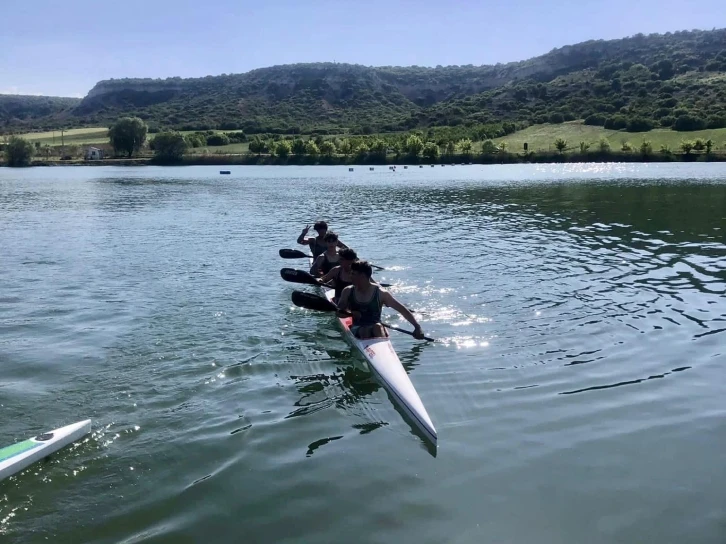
[23, 454]
[388, 370]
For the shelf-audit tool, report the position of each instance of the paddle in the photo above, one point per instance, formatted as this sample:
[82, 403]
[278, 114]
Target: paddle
[320, 304]
[297, 254]
[300, 276]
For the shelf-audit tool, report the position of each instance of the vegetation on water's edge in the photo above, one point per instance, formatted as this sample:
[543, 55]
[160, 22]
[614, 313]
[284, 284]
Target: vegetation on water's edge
[399, 162]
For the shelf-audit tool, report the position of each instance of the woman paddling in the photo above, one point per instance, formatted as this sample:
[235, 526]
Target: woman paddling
[339, 276]
[328, 260]
[364, 299]
[317, 245]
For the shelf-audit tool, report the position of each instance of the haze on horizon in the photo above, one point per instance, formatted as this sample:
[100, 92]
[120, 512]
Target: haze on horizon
[64, 49]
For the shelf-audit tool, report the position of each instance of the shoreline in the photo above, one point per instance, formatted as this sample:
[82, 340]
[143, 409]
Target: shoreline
[306, 160]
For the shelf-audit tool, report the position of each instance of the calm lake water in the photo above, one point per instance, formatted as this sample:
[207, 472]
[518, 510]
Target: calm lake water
[578, 390]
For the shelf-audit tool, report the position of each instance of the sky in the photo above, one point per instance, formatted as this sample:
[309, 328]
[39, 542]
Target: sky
[64, 48]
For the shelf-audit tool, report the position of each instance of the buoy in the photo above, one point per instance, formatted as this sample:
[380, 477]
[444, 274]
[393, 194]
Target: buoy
[371, 168]
[405, 167]
[350, 169]
[420, 165]
[225, 172]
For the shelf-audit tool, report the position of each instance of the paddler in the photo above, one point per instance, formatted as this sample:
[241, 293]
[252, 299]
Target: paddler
[365, 299]
[339, 276]
[329, 259]
[317, 245]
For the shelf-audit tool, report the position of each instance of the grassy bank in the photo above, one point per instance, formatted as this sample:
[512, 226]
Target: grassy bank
[542, 137]
[75, 136]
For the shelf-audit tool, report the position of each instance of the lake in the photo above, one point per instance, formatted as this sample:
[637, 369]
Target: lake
[577, 388]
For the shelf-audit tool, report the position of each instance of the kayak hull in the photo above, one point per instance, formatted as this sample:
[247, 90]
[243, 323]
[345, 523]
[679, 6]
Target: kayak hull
[20, 455]
[388, 370]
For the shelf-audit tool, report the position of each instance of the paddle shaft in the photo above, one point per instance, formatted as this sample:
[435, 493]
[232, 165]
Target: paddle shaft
[297, 254]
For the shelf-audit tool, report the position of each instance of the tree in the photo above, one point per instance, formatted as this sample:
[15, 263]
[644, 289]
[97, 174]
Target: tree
[561, 145]
[450, 147]
[217, 139]
[686, 146]
[298, 147]
[488, 147]
[378, 147]
[639, 124]
[584, 146]
[346, 147]
[431, 151]
[311, 148]
[170, 146]
[128, 135]
[665, 149]
[689, 122]
[646, 148]
[626, 146]
[604, 145]
[465, 146]
[327, 148]
[709, 145]
[414, 145]
[257, 145]
[18, 151]
[596, 119]
[502, 147]
[283, 148]
[699, 144]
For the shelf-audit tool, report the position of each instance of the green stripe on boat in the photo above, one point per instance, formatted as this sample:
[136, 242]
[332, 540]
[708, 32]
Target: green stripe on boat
[17, 449]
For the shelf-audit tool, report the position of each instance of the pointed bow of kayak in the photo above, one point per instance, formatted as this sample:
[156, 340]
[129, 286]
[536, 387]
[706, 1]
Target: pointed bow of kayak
[20, 455]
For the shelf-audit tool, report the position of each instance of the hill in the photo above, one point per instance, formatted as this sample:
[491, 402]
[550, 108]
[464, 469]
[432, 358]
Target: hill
[636, 83]
[19, 110]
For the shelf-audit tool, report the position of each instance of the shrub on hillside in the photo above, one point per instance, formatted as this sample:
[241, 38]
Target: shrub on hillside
[217, 139]
[616, 122]
[639, 124]
[716, 121]
[236, 137]
[596, 119]
[689, 122]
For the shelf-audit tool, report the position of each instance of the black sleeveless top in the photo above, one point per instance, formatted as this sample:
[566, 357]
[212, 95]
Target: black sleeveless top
[317, 248]
[328, 265]
[370, 311]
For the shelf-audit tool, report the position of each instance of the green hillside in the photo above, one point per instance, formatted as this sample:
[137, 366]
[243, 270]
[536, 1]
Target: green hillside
[661, 80]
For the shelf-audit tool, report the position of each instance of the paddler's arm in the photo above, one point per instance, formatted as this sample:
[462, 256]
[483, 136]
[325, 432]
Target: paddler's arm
[330, 275]
[343, 304]
[317, 263]
[342, 245]
[389, 300]
[301, 239]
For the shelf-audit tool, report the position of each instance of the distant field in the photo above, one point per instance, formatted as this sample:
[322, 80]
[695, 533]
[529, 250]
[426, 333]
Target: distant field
[231, 149]
[75, 136]
[542, 137]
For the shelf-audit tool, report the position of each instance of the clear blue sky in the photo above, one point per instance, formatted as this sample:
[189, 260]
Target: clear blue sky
[64, 47]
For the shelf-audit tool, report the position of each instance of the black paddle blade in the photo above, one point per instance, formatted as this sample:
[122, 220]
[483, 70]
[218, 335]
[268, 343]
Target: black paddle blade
[312, 302]
[293, 254]
[297, 276]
